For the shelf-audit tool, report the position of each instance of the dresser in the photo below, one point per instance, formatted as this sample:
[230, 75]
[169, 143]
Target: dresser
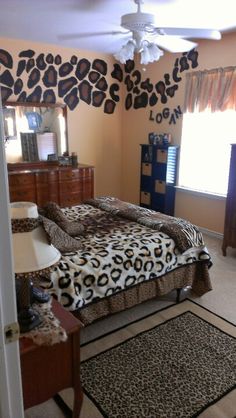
[158, 177]
[47, 181]
[229, 239]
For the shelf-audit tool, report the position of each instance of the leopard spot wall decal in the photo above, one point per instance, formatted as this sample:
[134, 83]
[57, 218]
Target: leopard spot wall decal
[6, 58]
[167, 79]
[129, 83]
[21, 67]
[40, 62]
[141, 100]
[85, 91]
[6, 78]
[161, 88]
[28, 53]
[73, 60]
[49, 96]
[57, 59]
[35, 96]
[82, 68]
[136, 90]
[147, 85]
[6, 92]
[128, 101]
[153, 99]
[109, 106]
[30, 64]
[170, 91]
[129, 66]
[136, 74]
[93, 76]
[193, 57]
[72, 99]
[97, 98]
[101, 84]
[34, 78]
[117, 73]
[64, 86]
[100, 66]
[50, 77]
[18, 86]
[49, 59]
[65, 69]
[114, 87]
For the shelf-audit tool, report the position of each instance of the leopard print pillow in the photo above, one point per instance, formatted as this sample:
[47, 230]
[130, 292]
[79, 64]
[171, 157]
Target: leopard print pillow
[52, 211]
[59, 238]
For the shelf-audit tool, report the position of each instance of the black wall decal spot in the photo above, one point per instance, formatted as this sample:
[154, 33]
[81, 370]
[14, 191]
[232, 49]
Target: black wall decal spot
[136, 74]
[49, 96]
[100, 66]
[50, 77]
[21, 67]
[6, 92]
[160, 88]
[57, 59]
[65, 69]
[29, 53]
[73, 60]
[93, 76]
[129, 83]
[6, 58]
[6, 78]
[114, 87]
[82, 68]
[85, 91]
[30, 64]
[22, 97]
[193, 56]
[35, 96]
[34, 78]
[117, 73]
[98, 98]
[129, 66]
[170, 91]
[153, 99]
[49, 58]
[18, 86]
[184, 65]
[101, 84]
[40, 62]
[167, 79]
[71, 99]
[175, 76]
[64, 86]
[128, 101]
[147, 85]
[141, 101]
[136, 90]
[109, 106]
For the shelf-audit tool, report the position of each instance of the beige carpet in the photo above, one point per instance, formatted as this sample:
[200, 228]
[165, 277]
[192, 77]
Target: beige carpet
[221, 301]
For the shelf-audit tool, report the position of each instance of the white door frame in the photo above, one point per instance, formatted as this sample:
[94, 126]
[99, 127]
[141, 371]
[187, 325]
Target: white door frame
[11, 400]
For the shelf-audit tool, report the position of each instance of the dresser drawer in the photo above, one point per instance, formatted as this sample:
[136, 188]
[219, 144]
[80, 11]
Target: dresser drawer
[21, 179]
[70, 186]
[71, 199]
[20, 194]
[47, 177]
[70, 174]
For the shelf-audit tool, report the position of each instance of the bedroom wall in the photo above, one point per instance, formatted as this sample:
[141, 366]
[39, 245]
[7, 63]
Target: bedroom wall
[204, 211]
[92, 133]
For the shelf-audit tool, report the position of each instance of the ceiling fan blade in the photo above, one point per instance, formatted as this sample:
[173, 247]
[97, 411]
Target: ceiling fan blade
[90, 34]
[174, 44]
[193, 33]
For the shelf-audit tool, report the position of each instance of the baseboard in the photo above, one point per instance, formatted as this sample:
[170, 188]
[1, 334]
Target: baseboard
[211, 233]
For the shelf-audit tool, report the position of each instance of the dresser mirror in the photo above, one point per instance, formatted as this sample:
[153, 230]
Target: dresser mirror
[34, 131]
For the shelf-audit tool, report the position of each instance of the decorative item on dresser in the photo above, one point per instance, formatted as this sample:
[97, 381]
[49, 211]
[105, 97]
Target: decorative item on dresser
[44, 181]
[229, 239]
[158, 177]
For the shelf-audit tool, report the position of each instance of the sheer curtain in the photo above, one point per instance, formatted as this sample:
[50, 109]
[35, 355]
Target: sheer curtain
[209, 127]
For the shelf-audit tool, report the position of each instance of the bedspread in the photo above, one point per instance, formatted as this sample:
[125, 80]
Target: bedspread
[116, 253]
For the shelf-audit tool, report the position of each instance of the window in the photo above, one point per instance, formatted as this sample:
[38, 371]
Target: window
[205, 150]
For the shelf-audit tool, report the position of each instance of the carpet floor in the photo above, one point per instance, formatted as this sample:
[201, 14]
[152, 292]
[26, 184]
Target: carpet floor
[178, 362]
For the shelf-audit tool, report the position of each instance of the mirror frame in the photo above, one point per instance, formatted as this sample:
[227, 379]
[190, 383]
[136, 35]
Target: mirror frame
[43, 104]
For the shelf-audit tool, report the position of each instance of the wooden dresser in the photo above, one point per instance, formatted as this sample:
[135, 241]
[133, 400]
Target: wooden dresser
[41, 182]
[229, 239]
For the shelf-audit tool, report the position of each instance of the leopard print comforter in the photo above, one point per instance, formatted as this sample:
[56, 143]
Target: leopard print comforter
[115, 254]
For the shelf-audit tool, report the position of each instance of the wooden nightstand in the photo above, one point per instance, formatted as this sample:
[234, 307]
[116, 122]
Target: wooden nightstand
[48, 369]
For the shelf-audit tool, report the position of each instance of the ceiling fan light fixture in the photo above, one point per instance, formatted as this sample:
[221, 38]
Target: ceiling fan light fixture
[126, 52]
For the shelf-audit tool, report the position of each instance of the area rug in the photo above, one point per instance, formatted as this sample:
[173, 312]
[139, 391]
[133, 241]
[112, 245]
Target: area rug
[178, 362]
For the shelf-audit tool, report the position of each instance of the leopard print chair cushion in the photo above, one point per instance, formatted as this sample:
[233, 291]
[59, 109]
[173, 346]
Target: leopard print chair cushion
[52, 211]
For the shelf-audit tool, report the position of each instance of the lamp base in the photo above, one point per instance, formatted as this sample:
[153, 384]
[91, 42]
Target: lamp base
[28, 319]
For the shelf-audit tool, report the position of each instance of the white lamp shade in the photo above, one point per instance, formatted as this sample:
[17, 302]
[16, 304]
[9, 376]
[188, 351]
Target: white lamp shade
[31, 250]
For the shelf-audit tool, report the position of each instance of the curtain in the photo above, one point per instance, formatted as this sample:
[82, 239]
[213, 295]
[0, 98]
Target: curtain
[213, 89]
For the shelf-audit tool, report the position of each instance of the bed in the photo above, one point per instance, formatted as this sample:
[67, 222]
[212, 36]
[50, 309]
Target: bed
[125, 255]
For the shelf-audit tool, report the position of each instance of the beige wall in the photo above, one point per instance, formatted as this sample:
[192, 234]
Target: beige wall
[111, 142]
[203, 211]
[93, 134]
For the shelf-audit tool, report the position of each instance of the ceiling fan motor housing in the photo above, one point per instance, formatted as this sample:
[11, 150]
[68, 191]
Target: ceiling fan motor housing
[136, 22]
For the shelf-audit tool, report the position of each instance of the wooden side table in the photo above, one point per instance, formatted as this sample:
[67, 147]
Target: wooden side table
[48, 369]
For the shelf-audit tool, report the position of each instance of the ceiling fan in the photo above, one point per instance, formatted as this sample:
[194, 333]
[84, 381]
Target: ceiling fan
[145, 37]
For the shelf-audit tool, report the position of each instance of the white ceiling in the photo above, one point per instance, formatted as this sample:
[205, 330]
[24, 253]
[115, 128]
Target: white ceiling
[49, 21]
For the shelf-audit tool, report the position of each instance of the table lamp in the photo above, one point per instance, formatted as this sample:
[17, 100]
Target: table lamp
[32, 254]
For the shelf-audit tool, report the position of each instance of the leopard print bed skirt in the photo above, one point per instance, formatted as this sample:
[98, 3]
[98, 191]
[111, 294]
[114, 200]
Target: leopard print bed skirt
[194, 275]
